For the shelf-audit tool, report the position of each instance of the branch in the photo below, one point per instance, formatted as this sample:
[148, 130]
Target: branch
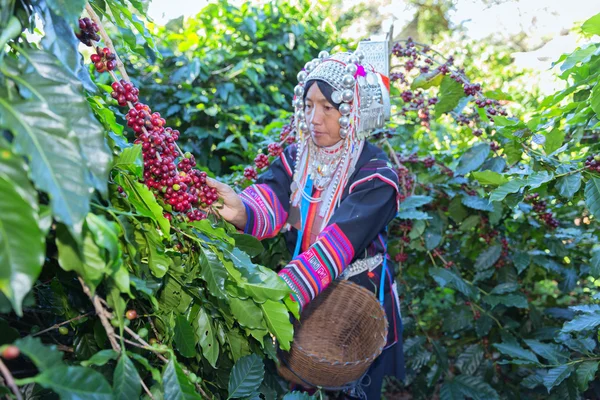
[146, 344]
[10, 382]
[103, 314]
[56, 326]
[107, 41]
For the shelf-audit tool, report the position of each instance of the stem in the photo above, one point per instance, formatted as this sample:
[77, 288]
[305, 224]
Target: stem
[10, 382]
[146, 389]
[396, 160]
[107, 41]
[56, 326]
[103, 315]
[571, 172]
[146, 344]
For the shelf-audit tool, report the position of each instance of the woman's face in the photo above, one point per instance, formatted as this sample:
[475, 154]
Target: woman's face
[322, 118]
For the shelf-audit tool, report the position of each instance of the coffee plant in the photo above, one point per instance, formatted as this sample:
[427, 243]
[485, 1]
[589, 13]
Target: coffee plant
[118, 279]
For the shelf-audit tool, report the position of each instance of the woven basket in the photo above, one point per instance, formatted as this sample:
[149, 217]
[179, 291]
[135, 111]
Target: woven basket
[340, 334]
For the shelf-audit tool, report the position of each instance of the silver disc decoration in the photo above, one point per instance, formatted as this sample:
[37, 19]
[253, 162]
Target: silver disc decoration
[353, 59]
[298, 91]
[347, 95]
[303, 126]
[298, 103]
[300, 116]
[309, 66]
[343, 133]
[360, 55]
[323, 54]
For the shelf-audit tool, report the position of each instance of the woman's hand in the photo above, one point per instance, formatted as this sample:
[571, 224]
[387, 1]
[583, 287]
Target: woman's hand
[233, 209]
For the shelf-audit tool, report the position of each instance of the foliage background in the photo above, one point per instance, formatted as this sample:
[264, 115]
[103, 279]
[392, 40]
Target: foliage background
[523, 297]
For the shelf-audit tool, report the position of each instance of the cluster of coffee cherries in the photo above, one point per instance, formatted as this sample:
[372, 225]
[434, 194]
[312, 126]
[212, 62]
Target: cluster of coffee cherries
[124, 92]
[88, 33]
[593, 163]
[274, 150]
[179, 184]
[104, 59]
[503, 256]
[417, 60]
[539, 206]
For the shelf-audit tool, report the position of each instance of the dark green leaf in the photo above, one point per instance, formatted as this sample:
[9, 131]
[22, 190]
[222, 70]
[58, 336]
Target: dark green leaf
[126, 380]
[489, 178]
[477, 203]
[554, 139]
[595, 99]
[101, 358]
[184, 337]
[505, 288]
[70, 10]
[508, 300]
[470, 359]
[22, 245]
[592, 196]
[516, 351]
[246, 376]
[550, 351]
[277, 318]
[446, 277]
[472, 158]
[247, 312]
[414, 202]
[176, 384]
[206, 335]
[568, 185]
[248, 244]
[537, 179]
[595, 263]
[64, 93]
[465, 386]
[413, 214]
[238, 344]
[55, 160]
[511, 187]
[556, 375]
[144, 201]
[582, 323]
[449, 95]
[131, 160]
[214, 273]
[44, 357]
[13, 169]
[488, 257]
[586, 371]
[75, 383]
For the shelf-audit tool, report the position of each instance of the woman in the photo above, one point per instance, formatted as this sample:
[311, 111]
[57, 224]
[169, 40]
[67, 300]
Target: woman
[332, 193]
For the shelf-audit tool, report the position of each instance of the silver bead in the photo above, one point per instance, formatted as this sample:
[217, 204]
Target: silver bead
[336, 97]
[343, 133]
[360, 55]
[302, 76]
[351, 69]
[298, 90]
[309, 66]
[323, 54]
[316, 61]
[348, 81]
[353, 59]
[298, 103]
[344, 122]
[303, 126]
[300, 116]
[345, 109]
[347, 95]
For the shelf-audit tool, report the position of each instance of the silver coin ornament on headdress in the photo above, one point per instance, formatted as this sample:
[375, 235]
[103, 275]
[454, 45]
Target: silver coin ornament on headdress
[360, 87]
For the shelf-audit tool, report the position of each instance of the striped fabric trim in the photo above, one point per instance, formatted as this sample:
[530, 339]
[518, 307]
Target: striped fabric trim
[266, 215]
[287, 167]
[313, 270]
[374, 176]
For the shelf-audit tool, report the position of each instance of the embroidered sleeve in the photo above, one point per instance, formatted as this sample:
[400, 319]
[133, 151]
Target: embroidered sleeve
[361, 216]
[267, 202]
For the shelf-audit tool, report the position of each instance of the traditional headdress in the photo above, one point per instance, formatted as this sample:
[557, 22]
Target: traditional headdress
[361, 87]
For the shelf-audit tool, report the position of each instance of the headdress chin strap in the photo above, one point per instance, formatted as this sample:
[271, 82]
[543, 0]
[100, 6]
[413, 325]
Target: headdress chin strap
[361, 88]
